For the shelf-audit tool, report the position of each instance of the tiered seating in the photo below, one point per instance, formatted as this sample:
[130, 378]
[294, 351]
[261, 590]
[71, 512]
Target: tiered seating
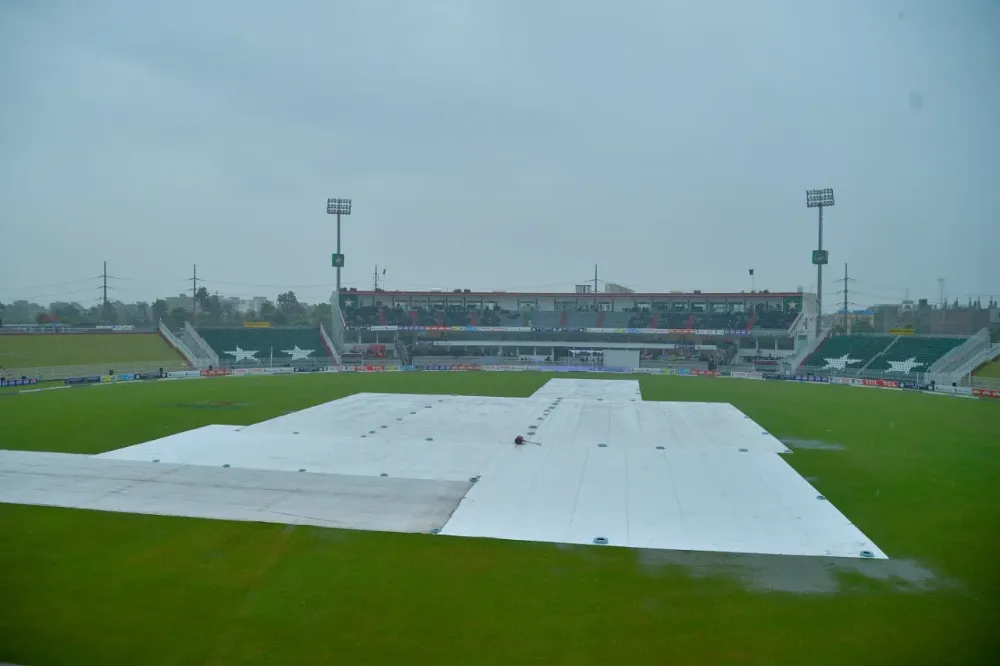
[581, 319]
[617, 319]
[251, 346]
[546, 319]
[775, 320]
[911, 355]
[846, 352]
[457, 317]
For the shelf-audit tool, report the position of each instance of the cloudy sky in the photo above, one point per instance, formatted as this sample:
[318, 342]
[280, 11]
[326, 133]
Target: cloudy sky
[507, 144]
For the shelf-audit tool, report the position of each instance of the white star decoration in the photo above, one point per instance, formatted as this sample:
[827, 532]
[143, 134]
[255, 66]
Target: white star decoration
[903, 366]
[244, 354]
[298, 354]
[840, 363]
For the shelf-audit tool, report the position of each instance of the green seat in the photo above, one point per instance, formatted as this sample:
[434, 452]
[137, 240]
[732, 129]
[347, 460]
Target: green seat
[252, 346]
[913, 354]
[846, 352]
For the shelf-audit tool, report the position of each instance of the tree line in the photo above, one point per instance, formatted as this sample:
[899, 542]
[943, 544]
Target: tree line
[207, 310]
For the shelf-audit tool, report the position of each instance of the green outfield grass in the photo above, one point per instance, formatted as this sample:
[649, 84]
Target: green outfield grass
[919, 474]
[43, 350]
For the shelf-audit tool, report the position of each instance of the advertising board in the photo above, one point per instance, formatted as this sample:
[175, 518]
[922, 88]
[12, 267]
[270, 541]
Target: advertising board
[27, 381]
[880, 383]
[215, 372]
[747, 375]
[986, 393]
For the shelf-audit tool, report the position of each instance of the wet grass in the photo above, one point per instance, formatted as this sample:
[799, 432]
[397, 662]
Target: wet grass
[919, 474]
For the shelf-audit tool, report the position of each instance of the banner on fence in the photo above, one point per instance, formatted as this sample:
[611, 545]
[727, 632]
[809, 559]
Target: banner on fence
[954, 390]
[93, 379]
[747, 375]
[880, 383]
[986, 393]
[27, 381]
[818, 379]
[183, 374]
[215, 372]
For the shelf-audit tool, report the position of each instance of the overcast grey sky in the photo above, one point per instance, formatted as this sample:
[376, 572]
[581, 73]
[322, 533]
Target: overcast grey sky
[497, 144]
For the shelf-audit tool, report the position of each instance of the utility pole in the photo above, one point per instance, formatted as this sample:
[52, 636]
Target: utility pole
[194, 295]
[846, 291]
[376, 277]
[941, 292]
[105, 312]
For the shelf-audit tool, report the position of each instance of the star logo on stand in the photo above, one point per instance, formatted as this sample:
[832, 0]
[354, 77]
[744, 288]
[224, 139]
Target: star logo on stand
[244, 354]
[903, 366]
[840, 363]
[298, 354]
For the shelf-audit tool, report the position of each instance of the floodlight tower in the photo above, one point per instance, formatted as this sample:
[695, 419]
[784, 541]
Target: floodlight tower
[338, 207]
[819, 199]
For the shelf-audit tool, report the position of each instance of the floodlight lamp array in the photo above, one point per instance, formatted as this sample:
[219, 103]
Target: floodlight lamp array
[817, 198]
[338, 206]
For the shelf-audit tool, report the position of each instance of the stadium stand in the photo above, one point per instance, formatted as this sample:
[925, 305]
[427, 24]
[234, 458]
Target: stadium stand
[846, 352]
[246, 346]
[365, 316]
[912, 354]
[896, 356]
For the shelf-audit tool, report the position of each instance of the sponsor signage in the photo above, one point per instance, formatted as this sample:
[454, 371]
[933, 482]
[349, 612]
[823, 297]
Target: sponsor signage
[880, 383]
[705, 373]
[216, 372]
[843, 381]
[954, 390]
[93, 379]
[27, 381]
[314, 368]
[986, 393]
[256, 324]
[149, 375]
[812, 378]
[368, 368]
[901, 331]
[116, 327]
[747, 375]
[182, 374]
